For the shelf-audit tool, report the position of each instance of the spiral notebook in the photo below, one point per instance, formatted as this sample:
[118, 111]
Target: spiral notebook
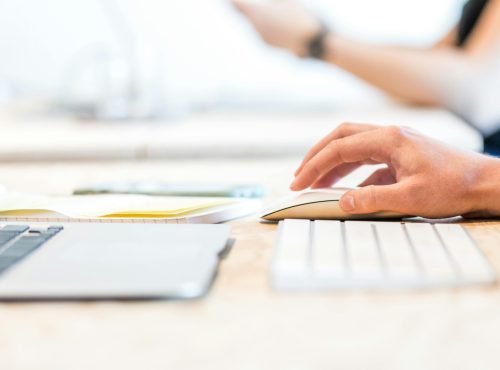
[122, 208]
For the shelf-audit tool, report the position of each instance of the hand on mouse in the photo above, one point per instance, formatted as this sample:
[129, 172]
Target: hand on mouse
[423, 177]
[283, 23]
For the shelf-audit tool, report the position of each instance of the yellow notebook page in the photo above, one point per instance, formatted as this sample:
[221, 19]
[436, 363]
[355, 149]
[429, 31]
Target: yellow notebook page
[102, 206]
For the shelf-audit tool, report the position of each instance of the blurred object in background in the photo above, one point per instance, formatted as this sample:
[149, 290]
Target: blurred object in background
[5, 92]
[155, 188]
[116, 59]
[116, 81]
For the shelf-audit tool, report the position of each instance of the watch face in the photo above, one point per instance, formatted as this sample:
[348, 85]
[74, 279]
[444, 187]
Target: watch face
[315, 50]
[316, 45]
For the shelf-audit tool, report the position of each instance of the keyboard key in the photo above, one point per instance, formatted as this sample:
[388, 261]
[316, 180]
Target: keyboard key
[396, 252]
[56, 228]
[363, 255]
[17, 252]
[21, 248]
[48, 234]
[6, 237]
[328, 253]
[430, 251]
[19, 229]
[6, 262]
[472, 264]
[10, 232]
[293, 249]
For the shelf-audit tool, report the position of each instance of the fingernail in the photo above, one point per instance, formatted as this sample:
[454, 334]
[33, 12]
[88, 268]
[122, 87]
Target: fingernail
[347, 203]
[294, 185]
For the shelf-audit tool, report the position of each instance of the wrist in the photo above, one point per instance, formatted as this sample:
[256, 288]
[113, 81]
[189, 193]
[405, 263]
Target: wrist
[484, 191]
[335, 47]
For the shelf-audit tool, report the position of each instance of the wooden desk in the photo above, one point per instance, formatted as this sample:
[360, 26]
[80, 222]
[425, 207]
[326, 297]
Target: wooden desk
[242, 323]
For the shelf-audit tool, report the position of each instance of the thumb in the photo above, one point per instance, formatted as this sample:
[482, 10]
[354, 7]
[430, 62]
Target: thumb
[371, 199]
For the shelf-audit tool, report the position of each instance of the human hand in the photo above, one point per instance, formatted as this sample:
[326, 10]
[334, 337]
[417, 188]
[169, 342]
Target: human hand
[281, 23]
[423, 177]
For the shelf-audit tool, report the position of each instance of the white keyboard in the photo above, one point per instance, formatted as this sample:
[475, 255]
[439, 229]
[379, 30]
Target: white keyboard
[363, 254]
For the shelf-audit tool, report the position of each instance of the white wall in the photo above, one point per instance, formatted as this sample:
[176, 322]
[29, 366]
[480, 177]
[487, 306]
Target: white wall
[194, 51]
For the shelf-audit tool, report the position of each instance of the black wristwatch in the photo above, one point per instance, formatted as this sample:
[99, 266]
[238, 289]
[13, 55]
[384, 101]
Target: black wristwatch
[316, 46]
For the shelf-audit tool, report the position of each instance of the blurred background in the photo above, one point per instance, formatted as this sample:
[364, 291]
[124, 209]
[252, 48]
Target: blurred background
[151, 58]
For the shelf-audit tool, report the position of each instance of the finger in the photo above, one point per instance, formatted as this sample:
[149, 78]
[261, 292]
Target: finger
[339, 173]
[335, 175]
[371, 199]
[382, 176]
[345, 129]
[374, 145]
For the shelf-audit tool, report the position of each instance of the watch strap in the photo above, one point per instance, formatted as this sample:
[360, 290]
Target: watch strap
[316, 46]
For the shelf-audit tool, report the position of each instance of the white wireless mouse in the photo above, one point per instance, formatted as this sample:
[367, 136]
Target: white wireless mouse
[318, 204]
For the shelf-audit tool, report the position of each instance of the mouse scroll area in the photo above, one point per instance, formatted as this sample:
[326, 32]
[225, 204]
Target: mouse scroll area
[318, 204]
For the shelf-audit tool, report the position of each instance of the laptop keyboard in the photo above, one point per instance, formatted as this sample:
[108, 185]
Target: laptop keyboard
[18, 241]
[362, 254]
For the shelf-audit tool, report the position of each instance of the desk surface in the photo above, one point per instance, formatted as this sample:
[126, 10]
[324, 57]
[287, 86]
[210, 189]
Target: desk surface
[27, 136]
[243, 323]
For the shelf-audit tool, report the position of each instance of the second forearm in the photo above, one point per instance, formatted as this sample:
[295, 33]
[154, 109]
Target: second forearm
[420, 76]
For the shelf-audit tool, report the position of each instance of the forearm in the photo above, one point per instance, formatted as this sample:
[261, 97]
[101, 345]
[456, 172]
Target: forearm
[420, 76]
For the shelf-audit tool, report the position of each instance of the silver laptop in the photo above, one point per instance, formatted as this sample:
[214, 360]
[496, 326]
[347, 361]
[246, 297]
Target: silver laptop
[108, 261]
